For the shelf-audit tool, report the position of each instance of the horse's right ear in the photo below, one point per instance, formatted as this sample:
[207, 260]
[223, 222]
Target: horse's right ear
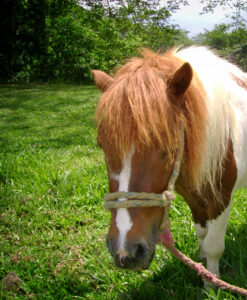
[102, 80]
[181, 80]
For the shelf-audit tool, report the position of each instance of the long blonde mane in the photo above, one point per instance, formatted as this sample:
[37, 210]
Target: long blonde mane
[136, 109]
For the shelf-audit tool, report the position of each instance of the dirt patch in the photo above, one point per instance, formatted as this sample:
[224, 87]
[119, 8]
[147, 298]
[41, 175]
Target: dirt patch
[11, 282]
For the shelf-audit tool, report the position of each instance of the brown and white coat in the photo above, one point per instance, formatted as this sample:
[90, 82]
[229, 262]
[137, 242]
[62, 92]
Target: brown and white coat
[138, 117]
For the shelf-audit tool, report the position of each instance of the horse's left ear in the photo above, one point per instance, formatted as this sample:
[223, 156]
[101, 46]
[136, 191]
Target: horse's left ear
[102, 80]
[181, 80]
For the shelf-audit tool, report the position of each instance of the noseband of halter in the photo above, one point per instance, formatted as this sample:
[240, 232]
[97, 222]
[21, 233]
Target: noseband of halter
[134, 199]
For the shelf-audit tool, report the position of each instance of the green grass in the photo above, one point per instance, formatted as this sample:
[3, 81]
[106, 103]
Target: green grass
[52, 222]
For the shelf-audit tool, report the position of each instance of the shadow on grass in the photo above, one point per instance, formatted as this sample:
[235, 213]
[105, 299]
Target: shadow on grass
[177, 281]
[41, 87]
[233, 265]
[48, 97]
[174, 281]
[47, 116]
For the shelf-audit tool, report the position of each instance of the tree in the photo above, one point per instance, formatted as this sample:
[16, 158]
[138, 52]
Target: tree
[60, 40]
[218, 38]
[147, 20]
[229, 43]
[23, 34]
[238, 7]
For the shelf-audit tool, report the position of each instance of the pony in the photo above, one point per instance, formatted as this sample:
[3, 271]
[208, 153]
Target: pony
[138, 119]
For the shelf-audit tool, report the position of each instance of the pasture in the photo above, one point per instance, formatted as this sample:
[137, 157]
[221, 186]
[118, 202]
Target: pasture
[52, 221]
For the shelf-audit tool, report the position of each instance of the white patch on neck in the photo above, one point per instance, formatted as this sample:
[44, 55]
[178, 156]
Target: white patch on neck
[123, 220]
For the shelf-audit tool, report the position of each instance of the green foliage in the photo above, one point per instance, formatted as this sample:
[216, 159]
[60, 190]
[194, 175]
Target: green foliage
[230, 43]
[218, 38]
[63, 40]
[53, 40]
[230, 40]
[237, 7]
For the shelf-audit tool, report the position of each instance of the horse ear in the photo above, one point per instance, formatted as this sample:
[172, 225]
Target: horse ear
[102, 80]
[181, 80]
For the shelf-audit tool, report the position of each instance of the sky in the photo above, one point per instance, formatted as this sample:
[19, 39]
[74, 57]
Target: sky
[189, 18]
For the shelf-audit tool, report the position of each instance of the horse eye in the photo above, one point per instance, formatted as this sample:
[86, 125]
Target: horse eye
[164, 154]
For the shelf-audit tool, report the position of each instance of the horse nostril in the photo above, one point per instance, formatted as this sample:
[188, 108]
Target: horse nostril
[139, 252]
[123, 260]
[135, 254]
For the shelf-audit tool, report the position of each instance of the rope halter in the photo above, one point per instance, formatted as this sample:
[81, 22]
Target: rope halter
[135, 199]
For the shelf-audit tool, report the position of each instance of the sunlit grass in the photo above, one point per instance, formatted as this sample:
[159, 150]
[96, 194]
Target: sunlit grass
[52, 222]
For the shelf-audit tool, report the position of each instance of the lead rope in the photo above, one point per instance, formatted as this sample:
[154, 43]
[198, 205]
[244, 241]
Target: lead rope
[206, 275]
[134, 199]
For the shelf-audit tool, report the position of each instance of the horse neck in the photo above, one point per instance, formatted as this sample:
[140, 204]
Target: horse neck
[206, 204]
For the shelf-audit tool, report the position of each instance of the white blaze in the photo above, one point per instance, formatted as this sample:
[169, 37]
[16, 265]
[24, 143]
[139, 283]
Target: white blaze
[123, 220]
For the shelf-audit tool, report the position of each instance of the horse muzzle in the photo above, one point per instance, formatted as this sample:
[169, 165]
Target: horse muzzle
[132, 256]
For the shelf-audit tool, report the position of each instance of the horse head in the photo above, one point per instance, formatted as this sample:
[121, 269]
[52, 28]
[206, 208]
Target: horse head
[138, 119]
